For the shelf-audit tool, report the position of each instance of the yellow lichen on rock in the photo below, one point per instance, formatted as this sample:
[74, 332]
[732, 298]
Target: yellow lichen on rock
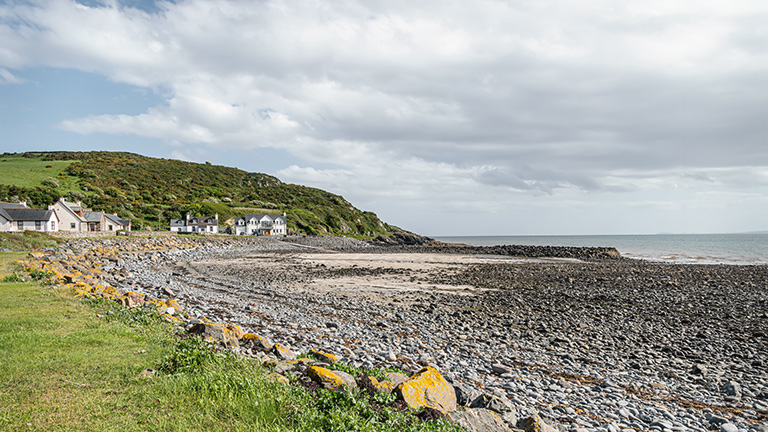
[331, 380]
[279, 378]
[255, 341]
[324, 356]
[427, 388]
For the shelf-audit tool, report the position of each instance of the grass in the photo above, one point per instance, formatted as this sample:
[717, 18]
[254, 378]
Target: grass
[30, 172]
[77, 365]
[27, 241]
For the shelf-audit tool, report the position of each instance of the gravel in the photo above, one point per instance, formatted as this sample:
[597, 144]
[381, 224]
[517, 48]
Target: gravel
[602, 344]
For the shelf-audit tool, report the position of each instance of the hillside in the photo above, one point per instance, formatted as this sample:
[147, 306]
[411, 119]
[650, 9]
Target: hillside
[151, 191]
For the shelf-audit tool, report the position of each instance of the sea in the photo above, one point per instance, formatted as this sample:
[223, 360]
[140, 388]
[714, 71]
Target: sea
[740, 249]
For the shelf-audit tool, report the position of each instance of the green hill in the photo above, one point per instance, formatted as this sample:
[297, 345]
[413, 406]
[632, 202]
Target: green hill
[151, 191]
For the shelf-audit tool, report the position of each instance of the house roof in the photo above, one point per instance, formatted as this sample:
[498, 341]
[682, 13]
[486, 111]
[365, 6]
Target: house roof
[11, 205]
[117, 220]
[195, 221]
[28, 214]
[72, 207]
[272, 217]
[75, 207]
[92, 216]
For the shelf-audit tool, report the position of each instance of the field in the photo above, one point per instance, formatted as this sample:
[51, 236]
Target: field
[30, 172]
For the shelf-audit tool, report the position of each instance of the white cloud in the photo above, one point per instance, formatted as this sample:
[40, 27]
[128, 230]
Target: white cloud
[455, 105]
[8, 78]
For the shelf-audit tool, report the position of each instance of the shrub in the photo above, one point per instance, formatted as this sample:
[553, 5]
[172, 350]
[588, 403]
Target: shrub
[50, 182]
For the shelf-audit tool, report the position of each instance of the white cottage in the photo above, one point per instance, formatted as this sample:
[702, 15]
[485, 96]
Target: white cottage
[196, 224]
[71, 215]
[19, 217]
[261, 224]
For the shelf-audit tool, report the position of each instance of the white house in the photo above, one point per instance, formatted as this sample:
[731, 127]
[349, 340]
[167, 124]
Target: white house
[114, 223]
[74, 217]
[19, 217]
[71, 215]
[261, 224]
[196, 224]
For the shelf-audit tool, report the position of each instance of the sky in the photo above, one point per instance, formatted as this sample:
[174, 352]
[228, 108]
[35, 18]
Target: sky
[516, 117]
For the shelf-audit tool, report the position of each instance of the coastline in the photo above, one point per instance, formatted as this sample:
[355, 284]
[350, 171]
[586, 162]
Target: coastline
[587, 343]
[737, 249]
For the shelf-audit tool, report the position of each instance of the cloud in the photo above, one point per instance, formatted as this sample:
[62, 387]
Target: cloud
[432, 101]
[8, 78]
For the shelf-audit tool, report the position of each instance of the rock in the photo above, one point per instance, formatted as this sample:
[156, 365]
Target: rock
[478, 420]
[279, 378]
[500, 368]
[284, 366]
[427, 388]
[257, 342]
[699, 369]
[331, 380]
[534, 423]
[465, 393]
[324, 357]
[283, 353]
[134, 299]
[732, 388]
[219, 332]
[494, 403]
[393, 380]
[728, 427]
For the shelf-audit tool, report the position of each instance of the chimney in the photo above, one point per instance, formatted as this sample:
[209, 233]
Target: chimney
[24, 203]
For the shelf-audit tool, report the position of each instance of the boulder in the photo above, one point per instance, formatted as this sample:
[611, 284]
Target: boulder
[478, 420]
[465, 393]
[393, 380]
[134, 299]
[427, 388]
[330, 379]
[219, 332]
[498, 405]
[283, 353]
[279, 378]
[534, 423]
[324, 356]
[254, 341]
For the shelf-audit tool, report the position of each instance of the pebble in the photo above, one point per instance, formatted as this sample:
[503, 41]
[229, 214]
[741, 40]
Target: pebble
[610, 345]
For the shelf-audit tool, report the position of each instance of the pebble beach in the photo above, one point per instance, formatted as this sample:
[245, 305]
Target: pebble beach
[584, 338]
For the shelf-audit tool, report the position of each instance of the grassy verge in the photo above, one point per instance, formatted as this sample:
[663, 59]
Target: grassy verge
[84, 365]
[27, 240]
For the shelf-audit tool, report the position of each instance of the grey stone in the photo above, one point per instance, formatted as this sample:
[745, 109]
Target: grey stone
[478, 420]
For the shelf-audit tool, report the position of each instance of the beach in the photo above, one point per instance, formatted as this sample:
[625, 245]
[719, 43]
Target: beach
[588, 340]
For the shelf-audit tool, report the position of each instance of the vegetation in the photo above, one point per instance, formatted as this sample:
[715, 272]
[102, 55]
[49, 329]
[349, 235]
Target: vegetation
[151, 191]
[90, 365]
[26, 241]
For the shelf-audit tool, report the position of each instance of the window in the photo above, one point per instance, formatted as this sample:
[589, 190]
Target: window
[20, 225]
[72, 225]
[53, 225]
[110, 227]
[38, 225]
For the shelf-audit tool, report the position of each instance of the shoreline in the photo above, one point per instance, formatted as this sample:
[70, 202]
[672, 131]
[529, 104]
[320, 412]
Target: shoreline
[580, 342]
[588, 344]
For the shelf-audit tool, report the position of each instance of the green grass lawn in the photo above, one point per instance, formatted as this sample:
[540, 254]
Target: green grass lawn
[30, 172]
[72, 364]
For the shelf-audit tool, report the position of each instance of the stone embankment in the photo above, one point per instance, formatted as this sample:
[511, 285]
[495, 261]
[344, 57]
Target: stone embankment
[603, 345]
